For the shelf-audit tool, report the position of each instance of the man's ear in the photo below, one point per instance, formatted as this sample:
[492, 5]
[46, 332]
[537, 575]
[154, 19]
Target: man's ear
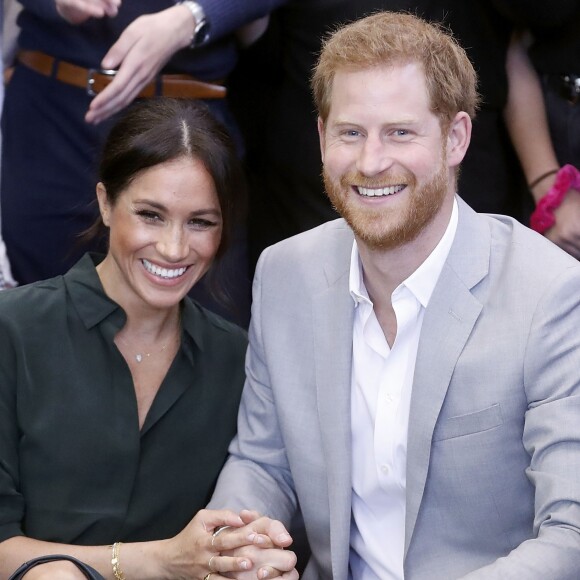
[321, 137]
[458, 138]
[104, 205]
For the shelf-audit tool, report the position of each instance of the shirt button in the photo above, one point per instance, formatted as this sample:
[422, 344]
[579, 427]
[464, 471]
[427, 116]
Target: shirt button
[385, 469]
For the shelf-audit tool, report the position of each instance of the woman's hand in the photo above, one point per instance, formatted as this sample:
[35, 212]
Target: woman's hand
[191, 553]
[78, 11]
[566, 231]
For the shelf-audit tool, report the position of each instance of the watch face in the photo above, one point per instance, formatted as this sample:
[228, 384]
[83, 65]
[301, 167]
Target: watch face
[201, 34]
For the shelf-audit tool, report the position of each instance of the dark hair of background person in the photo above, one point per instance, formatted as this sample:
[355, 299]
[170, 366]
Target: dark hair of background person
[156, 131]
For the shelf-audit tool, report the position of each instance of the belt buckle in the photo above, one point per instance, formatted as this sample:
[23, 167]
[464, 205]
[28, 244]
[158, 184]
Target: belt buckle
[91, 78]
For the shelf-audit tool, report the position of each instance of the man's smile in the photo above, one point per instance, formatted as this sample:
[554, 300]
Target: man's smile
[379, 191]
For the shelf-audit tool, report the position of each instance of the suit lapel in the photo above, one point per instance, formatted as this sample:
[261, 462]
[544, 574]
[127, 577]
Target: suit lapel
[448, 323]
[333, 319]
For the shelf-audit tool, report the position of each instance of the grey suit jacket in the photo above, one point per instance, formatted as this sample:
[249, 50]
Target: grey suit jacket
[493, 458]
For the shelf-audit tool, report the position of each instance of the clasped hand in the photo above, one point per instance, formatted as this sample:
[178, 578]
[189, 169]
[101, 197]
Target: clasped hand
[252, 547]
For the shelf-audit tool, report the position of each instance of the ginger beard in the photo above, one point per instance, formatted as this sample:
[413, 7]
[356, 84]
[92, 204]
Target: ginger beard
[388, 228]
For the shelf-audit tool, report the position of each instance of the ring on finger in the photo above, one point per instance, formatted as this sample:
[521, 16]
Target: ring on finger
[209, 565]
[217, 532]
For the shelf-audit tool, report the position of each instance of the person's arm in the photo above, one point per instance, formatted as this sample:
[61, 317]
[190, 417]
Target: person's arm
[526, 119]
[527, 123]
[185, 556]
[257, 474]
[552, 438]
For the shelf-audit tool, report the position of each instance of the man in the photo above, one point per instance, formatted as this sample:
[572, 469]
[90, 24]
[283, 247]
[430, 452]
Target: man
[412, 375]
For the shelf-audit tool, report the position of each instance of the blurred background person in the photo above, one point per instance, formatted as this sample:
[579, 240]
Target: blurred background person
[543, 113]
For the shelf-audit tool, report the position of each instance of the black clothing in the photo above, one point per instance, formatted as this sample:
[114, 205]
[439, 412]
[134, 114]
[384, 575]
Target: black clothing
[74, 467]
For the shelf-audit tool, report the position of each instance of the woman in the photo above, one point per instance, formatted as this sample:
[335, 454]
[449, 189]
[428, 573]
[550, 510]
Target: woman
[118, 394]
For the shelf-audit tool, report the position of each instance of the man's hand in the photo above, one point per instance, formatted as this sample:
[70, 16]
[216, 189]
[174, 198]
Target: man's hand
[268, 539]
[78, 11]
[566, 231]
[140, 53]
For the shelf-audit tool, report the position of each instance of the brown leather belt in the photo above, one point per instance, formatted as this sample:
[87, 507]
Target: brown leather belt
[95, 80]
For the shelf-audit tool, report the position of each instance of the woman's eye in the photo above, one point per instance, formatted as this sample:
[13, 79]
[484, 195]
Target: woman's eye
[149, 216]
[202, 224]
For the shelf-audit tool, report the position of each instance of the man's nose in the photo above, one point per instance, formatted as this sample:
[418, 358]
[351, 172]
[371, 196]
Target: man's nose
[375, 157]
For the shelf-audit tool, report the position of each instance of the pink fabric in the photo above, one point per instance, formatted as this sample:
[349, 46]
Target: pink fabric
[567, 178]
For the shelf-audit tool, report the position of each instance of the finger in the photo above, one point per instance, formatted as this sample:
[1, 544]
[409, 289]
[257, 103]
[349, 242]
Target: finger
[279, 560]
[274, 529]
[224, 564]
[111, 100]
[212, 519]
[239, 537]
[122, 90]
[250, 515]
[121, 48]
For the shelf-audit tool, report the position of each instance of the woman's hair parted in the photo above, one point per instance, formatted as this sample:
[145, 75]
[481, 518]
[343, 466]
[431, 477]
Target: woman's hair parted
[394, 38]
[155, 131]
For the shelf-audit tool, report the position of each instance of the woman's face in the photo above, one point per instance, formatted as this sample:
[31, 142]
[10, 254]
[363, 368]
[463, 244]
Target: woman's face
[164, 232]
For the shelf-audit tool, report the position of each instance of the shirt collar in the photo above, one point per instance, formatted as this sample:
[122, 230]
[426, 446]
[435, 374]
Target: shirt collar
[93, 305]
[422, 281]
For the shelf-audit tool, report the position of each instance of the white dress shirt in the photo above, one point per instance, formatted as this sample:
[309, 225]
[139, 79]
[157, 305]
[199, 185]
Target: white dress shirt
[381, 385]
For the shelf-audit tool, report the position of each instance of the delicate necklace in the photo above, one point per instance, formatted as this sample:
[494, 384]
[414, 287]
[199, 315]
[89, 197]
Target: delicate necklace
[143, 355]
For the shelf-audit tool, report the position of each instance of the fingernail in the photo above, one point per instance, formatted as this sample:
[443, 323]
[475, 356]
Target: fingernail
[264, 574]
[245, 564]
[284, 537]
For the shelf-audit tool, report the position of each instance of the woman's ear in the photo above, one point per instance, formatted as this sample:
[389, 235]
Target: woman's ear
[458, 138]
[104, 205]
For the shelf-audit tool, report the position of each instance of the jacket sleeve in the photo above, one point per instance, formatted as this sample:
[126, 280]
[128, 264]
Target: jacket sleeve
[552, 439]
[257, 475]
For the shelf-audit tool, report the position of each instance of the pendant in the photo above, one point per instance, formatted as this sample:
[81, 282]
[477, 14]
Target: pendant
[138, 358]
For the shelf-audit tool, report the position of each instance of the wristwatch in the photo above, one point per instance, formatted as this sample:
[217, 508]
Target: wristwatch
[202, 27]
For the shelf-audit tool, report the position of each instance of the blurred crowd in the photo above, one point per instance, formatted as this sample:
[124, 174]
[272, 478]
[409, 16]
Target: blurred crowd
[526, 53]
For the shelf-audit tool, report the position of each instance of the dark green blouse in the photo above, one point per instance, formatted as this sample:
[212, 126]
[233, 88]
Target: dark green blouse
[74, 466]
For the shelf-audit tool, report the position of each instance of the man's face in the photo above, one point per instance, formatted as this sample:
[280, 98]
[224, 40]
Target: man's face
[386, 167]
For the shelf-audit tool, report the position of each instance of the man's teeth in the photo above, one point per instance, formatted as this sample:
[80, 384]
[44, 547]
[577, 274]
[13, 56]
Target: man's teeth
[380, 191]
[163, 272]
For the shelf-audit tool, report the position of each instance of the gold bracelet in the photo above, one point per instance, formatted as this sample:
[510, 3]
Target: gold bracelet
[116, 547]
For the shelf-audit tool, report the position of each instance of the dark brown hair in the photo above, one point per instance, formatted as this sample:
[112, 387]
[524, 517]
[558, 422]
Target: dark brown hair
[156, 131]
